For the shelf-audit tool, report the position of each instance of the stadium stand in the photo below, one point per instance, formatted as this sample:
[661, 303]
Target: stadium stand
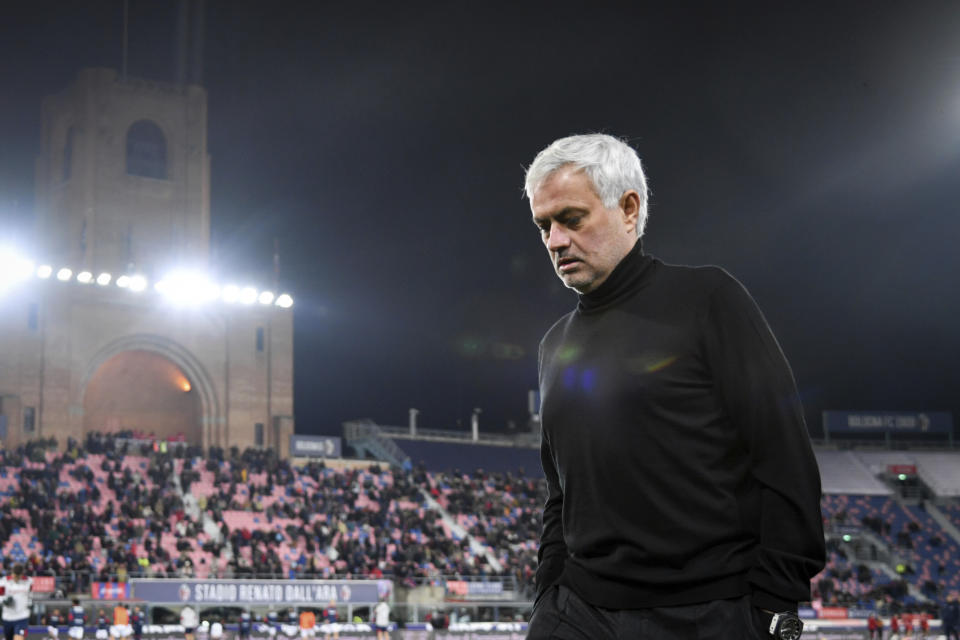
[501, 511]
[843, 472]
[106, 509]
[938, 470]
[113, 514]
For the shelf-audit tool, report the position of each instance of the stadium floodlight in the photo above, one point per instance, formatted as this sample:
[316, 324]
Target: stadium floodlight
[44, 271]
[248, 295]
[137, 283]
[231, 293]
[64, 274]
[13, 268]
[123, 281]
[210, 292]
[284, 301]
[104, 279]
[188, 287]
[265, 297]
[84, 277]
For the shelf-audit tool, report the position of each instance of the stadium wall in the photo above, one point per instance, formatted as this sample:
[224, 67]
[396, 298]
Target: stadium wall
[447, 456]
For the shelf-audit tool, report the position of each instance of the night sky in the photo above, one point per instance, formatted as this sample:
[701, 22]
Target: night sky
[812, 149]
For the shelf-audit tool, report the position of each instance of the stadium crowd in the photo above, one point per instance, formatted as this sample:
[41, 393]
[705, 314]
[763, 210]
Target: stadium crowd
[111, 507]
[105, 509]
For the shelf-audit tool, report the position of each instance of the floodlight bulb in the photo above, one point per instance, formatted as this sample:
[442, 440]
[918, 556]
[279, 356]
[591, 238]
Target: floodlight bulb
[123, 281]
[44, 271]
[284, 301]
[248, 295]
[104, 279]
[266, 297]
[206, 291]
[186, 287]
[64, 274]
[13, 267]
[85, 277]
[138, 283]
[231, 293]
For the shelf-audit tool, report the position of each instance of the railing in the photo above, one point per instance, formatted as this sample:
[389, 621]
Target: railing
[366, 432]
[526, 440]
[888, 443]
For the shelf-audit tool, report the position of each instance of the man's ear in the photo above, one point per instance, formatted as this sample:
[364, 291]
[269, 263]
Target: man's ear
[630, 206]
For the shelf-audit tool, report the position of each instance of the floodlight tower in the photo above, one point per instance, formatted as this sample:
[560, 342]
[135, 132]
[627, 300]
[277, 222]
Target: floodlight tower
[123, 177]
[122, 329]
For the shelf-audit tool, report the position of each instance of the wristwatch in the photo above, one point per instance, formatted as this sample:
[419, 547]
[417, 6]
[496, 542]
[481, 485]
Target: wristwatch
[786, 626]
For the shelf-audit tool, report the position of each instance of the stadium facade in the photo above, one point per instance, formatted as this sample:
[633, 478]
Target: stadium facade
[123, 189]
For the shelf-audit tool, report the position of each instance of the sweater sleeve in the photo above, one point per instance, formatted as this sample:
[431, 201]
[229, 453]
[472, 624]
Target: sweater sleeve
[552, 554]
[759, 394]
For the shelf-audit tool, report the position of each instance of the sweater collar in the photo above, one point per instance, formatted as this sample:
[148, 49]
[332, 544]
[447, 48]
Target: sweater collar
[628, 276]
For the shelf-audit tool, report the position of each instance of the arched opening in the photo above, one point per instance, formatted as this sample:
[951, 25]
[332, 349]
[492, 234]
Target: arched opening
[144, 392]
[146, 150]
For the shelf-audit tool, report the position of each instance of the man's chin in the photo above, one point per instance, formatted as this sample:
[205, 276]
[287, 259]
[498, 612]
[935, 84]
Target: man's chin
[580, 285]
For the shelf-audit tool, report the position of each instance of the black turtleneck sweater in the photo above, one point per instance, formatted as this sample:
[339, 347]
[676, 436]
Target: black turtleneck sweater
[677, 459]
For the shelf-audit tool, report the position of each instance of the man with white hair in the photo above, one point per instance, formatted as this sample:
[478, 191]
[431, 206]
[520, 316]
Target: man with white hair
[683, 493]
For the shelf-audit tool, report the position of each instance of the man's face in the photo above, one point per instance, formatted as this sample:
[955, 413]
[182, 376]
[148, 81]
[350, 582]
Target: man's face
[585, 240]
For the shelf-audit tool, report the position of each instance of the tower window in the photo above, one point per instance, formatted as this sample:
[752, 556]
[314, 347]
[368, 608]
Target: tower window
[29, 419]
[259, 339]
[33, 316]
[258, 434]
[146, 150]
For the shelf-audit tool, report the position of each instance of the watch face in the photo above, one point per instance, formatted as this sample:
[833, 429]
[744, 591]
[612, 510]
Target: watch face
[791, 628]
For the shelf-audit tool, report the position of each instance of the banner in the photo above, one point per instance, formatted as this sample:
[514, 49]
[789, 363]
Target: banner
[110, 590]
[847, 422]
[833, 613]
[276, 592]
[860, 614]
[466, 590]
[43, 584]
[315, 446]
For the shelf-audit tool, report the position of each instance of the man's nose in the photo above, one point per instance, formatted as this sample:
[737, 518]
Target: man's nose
[558, 239]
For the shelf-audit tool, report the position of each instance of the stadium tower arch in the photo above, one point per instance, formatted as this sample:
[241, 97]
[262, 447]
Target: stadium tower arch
[123, 194]
[153, 385]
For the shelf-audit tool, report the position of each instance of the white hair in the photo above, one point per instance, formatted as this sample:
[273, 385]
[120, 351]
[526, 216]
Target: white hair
[611, 164]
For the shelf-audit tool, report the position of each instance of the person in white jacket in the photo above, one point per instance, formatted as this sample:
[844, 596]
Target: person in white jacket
[381, 620]
[189, 620]
[15, 593]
